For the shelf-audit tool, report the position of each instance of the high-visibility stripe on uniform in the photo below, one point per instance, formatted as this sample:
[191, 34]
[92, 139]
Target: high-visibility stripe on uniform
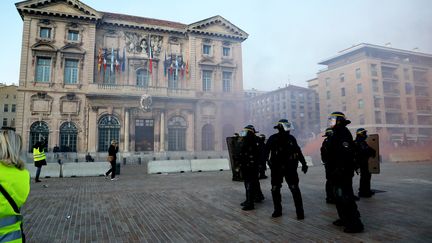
[37, 155]
[10, 220]
[14, 235]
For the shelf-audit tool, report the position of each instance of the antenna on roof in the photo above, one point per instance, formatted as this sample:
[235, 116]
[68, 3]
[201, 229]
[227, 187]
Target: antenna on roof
[415, 49]
[388, 44]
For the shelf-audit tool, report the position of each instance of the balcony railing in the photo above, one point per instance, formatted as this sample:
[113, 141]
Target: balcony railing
[114, 89]
[389, 76]
[391, 92]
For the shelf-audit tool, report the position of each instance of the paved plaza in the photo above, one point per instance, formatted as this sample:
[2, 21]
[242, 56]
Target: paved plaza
[204, 207]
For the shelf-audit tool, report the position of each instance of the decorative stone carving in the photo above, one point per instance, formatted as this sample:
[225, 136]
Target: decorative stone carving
[146, 102]
[139, 44]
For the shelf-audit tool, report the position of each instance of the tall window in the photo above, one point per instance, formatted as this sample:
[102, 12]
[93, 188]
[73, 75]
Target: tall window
[13, 109]
[68, 137]
[358, 73]
[342, 91]
[359, 88]
[206, 80]
[73, 35]
[109, 129]
[45, 33]
[328, 94]
[12, 124]
[360, 104]
[71, 71]
[342, 77]
[327, 82]
[406, 74]
[177, 134]
[375, 87]
[207, 50]
[5, 122]
[142, 78]
[207, 137]
[43, 69]
[374, 70]
[172, 80]
[6, 108]
[226, 51]
[226, 81]
[38, 131]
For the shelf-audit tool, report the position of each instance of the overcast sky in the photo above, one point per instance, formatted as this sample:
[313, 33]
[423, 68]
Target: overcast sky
[287, 38]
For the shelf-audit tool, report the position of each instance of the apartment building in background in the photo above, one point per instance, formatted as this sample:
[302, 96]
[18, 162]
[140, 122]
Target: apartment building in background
[383, 89]
[297, 104]
[158, 87]
[8, 104]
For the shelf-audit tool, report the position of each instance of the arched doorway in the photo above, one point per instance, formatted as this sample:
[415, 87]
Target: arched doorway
[177, 134]
[68, 137]
[109, 129]
[38, 131]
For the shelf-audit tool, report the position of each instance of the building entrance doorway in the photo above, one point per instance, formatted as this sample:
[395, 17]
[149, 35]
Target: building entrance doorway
[144, 135]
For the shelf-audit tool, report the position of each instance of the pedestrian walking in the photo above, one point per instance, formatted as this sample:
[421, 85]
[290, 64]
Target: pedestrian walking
[112, 159]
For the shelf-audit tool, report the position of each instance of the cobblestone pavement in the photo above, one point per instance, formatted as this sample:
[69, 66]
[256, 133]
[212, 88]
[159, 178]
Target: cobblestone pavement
[204, 207]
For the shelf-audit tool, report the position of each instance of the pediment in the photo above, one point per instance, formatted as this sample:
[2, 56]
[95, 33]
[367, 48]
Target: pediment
[42, 46]
[219, 26]
[64, 8]
[71, 48]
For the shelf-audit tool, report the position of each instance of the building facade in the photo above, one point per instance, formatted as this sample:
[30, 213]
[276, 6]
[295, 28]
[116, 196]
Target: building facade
[88, 77]
[297, 104]
[8, 103]
[385, 90]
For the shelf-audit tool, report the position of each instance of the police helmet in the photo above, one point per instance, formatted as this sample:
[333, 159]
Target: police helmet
[361, 131]
[246, 129]
[338, 117]
[284, 124]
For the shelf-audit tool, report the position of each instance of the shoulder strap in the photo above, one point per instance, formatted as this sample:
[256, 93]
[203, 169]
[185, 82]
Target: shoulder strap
[9, 198]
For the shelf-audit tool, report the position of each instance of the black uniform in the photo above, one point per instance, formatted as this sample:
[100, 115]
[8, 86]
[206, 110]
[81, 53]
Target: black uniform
[325, 157]
[341, 167]
[284, 157]
[262, 158]
[249, 162]
[363, 153]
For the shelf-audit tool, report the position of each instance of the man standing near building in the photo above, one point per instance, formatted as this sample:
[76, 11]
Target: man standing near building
[284, 157]
[39, 157]
[341, 151]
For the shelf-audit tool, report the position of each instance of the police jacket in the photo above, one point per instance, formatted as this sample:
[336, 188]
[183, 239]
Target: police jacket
[249, 153]
[16, 183]
[341, 151]
[284, 151]
[325, 152]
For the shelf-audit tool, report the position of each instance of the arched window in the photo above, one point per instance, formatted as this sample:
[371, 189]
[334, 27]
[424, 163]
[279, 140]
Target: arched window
[177, 134]
[142, 78]
[227, 131]
[109, 129]
[207, 134]
[68, 137]
[38, 131]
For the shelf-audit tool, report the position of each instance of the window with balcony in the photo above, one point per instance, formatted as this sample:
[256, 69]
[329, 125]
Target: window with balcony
[142, 78]
[374, 70]
[13, 108]
[71, 71]
[43, 69]
[360, 104]
[375, 87]
[6, 108]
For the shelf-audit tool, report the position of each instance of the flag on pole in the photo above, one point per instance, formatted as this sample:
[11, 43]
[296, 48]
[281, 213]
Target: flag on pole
[104, 60]
[150, 56]
[112, 59]
[124, 59]
[176, 66]
[100, 59]
[165, 65]
[117, 62]
[187, 69]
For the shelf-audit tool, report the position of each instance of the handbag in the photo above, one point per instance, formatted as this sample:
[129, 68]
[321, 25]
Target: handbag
[110, 158]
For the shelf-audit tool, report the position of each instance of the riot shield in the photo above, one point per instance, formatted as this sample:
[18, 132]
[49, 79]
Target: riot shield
[374, 163]
[234, 144]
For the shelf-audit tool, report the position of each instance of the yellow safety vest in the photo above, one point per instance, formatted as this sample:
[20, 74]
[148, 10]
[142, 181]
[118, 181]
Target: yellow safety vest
[37, 155]
[17, 183]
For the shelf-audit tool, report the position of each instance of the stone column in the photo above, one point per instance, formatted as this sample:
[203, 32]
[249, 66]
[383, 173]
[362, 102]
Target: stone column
[162, 132]
[126, 142]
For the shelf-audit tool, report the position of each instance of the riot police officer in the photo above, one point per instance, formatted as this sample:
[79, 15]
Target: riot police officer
[284, 157]
[363, 153]
[263, 160]
[341, 153]
[249, 162]
[327, 166]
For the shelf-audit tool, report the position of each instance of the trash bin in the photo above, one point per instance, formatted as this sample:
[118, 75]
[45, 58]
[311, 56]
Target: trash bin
[117, 168]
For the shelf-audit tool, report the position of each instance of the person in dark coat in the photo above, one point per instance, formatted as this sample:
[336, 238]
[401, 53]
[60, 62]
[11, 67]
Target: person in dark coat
[327, 165]
[284, 157]
[263, 160]
[341, 151]
[112, 151]
[363, 153]
[249, 162]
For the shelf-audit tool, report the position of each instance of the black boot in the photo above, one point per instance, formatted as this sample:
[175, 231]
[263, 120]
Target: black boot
[249, 203]
[277, 203]
[298, 202]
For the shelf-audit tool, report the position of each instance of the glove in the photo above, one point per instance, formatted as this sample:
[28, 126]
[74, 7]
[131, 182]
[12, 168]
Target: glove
[304, 168]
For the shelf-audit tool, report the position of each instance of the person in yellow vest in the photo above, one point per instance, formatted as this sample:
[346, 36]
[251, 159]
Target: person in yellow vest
[39, 158]
[14, 186]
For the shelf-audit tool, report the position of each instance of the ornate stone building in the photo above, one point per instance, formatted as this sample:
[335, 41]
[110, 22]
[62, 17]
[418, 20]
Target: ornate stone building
[8, 100]
[88, 77]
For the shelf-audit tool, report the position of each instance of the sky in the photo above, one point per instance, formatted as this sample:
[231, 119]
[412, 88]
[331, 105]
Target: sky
[287, 38]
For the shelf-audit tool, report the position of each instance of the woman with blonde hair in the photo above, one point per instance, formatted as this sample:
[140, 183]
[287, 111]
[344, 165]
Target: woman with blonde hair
[14, 186]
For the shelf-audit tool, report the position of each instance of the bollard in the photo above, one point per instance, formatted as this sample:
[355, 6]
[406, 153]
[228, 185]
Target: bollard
[139, 161]
[124, 161]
